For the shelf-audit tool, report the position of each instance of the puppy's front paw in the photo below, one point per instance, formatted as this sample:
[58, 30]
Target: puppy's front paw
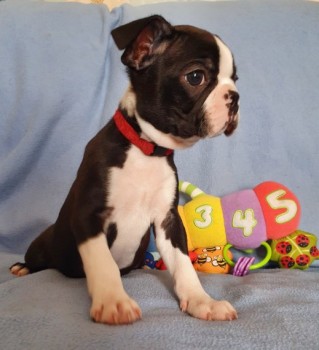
[206, 308]
[115, 309]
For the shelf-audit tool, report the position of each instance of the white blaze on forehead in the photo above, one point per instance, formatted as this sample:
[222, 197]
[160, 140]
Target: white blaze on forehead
[226, 64]
[216, 110]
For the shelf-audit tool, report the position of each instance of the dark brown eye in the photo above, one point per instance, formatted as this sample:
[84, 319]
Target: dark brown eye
[195, 78]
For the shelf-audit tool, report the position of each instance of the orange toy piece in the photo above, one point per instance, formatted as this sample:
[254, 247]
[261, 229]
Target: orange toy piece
[211, 260]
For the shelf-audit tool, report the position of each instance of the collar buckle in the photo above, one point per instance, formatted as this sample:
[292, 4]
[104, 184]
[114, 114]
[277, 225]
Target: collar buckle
[160, 151]
[148, 148]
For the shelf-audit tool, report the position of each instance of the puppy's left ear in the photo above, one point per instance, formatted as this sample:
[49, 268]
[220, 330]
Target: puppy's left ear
[142, 40]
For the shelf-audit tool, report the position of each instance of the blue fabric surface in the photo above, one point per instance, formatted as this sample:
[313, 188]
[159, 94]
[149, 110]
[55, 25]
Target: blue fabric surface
[48, 311]
[55, 79]
[61, 80]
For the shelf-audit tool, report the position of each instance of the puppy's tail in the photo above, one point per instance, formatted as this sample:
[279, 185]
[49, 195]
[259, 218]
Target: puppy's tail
[37, 257]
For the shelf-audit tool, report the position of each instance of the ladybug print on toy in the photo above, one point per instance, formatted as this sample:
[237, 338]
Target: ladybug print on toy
[303, 260]
[314, 251]
[287, 262]
[300, 246]
[283, 248]
[302, 241]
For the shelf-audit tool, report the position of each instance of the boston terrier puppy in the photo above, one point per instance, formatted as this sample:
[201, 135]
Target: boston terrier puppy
[182, 88]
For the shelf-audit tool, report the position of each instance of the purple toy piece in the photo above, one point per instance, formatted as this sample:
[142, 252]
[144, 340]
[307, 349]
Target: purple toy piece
[242, 266]
[244, 220]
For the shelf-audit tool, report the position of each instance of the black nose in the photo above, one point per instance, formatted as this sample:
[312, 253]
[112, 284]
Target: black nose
[233, 105]
[234, 95]
[233, 108]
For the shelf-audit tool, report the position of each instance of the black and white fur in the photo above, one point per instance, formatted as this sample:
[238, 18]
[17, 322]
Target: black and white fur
[182, 88]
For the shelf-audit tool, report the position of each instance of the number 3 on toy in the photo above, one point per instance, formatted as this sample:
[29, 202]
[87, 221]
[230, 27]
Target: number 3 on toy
[206, 218]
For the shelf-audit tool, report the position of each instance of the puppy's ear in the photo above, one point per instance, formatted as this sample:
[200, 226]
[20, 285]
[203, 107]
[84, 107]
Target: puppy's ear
[142, 40]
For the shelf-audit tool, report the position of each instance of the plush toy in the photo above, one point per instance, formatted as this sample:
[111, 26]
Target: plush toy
[243, 219]
[246, 220]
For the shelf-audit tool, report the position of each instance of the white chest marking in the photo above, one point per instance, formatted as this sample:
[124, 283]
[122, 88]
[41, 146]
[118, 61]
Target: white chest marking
[138, 193]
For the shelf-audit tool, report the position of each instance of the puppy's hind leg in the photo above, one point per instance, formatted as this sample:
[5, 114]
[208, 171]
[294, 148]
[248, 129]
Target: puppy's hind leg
[171, 243]
[36, 257]
[19, 269]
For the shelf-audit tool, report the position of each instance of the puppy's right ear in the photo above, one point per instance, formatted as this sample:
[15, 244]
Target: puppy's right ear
[142, 40]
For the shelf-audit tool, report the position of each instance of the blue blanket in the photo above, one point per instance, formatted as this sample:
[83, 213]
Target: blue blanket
[61, 80]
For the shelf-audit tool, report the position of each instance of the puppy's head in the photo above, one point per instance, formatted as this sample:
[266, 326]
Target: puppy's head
[182, 81]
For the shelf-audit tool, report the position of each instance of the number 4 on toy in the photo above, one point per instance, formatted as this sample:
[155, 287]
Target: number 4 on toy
[245, 221]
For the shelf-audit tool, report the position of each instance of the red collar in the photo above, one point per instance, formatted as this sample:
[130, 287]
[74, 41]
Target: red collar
[148, 148]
